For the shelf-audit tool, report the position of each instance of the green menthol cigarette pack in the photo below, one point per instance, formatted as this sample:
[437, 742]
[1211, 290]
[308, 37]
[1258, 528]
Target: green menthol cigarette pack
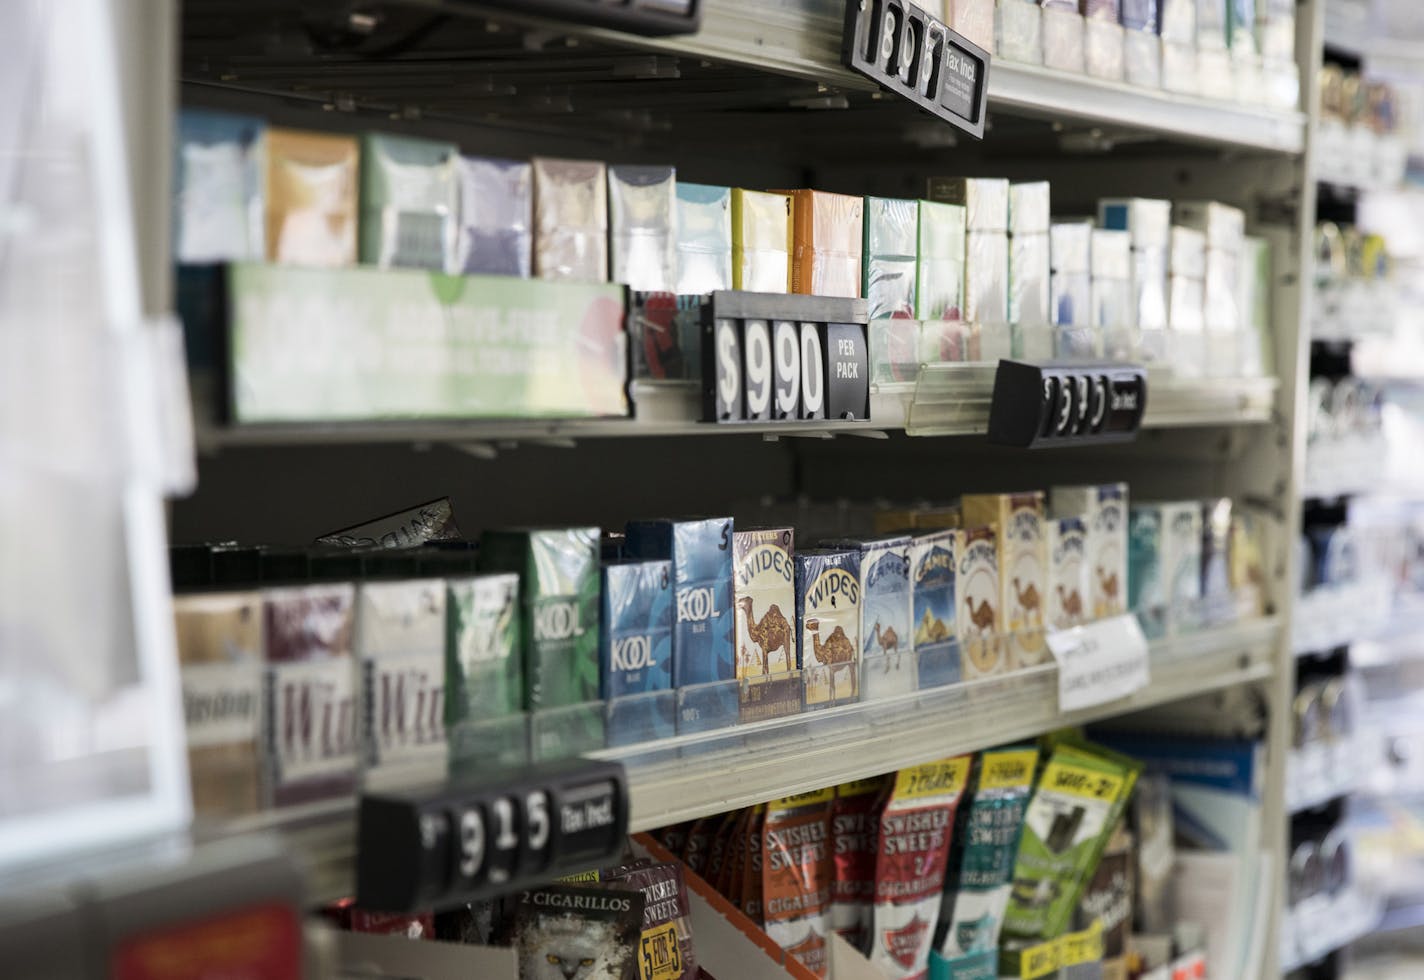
[1079, 799]
[558, 568]
[483, 662]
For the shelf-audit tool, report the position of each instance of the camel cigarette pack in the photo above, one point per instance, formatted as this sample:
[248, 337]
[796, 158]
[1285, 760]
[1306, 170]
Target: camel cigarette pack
[409, 202]
[665, 947]
[826, 243]
[220, 659]
[764, 583]
[310, 737]
[886, 599]
[572, 930]
[978, 620]
[764, 589]
[911, 857]
[1104, 509]
[853, 839]
[311, 198]
[1067, 572]
[932, 567]
[1077, 804]
[701, 555]
[635, 648]
[484, 648]
[986, 841]
[796, 876]
[1023, 565]
[400, 644]
[558, 569]
[828, 624]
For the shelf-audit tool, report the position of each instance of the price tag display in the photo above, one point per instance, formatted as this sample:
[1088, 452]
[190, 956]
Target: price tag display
[1068, 403]
[460, 841]
[1099, 662]
[784, 358]
[914, 55]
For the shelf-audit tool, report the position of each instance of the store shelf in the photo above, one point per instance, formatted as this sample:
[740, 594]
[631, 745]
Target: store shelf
[1320, 926]
[1321, 772]
[948, 400]
[697, 775]
[748, 55]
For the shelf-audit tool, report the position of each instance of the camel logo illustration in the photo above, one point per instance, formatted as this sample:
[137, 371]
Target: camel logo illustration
[771, 632]
[836, 651]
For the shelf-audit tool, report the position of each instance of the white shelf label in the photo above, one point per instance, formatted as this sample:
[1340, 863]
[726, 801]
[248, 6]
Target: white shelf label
[1100, 662]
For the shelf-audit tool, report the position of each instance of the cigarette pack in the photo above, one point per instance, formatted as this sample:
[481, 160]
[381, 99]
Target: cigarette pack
[484, 665]
[1022, 563]
[1104, 510]
[886, 600]
[979, 618]
[635, 646]
[1067, 572]
[704, 239]
[642, 203]
[312, 185]
[570, 220]
[217, 181]
[892, 231]
[827, 231]
[496, 208]
[828, 624]
[410, 196]
[939, 293]
[400, 646]
[761, 241]
[932, 568]
[558, 569]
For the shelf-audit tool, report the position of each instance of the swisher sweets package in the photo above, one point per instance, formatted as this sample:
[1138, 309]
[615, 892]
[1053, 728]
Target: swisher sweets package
[986, 840]
[853, 838]
[796, 876]
[566, 931]
[912, 852]
[665, 948]
[1081, 796]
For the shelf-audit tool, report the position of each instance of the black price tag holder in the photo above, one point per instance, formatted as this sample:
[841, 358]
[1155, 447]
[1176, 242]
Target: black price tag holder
[650, 18]
[914, 55]
[784, 358]
[1066, 403]
[470, 839]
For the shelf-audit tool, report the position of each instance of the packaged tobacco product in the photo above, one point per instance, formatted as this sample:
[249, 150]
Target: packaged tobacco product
[752, 894]
[1067, 573]
[311, 198]
[570, 220]
[636, 650]
[734, 858]
[1104, 510]
[220, 661]
[1023, 561]
[1079, 800]
[699, 844]
[932, 560]
[311, 724]
[409, 202]
[484, 666]
[853, 835]
[1107, 898]
[828, 624]
[400, 642]
[979, 617]
[764, 586]
[564, 931]
[717, 848]
[887, 645]
[796, 876]
[986, 841]
[420, 525]
[665, 950]
[559, 577]
[912, 853]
